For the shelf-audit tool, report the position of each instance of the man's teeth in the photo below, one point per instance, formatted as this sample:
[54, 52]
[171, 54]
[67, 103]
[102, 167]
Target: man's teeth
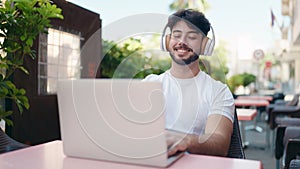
[184, 50]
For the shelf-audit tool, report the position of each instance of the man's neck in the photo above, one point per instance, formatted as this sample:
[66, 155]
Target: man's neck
[185, 71]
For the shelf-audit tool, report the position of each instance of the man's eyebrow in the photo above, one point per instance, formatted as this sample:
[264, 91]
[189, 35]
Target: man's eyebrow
[179, 31]
[193, 32]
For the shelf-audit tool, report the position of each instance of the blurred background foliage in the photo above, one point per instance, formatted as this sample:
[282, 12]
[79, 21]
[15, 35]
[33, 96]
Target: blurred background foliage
[21, 22]
[133, 59]
[243, 79]
[129, 60]
[201, 5]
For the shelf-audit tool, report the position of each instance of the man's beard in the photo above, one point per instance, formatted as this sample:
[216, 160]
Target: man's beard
[184, 61]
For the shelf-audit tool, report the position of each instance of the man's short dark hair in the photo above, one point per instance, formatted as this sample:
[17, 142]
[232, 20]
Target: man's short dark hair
[193, 17]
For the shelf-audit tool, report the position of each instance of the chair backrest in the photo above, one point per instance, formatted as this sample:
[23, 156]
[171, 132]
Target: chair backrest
[288, 143]
[8, 144]
[294, 101]
[279, 148]
[291, 142]
[292, 151]
[295, 164]
[277, 96]
[236, 147]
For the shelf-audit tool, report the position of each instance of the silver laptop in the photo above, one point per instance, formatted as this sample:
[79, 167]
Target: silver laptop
[120, 120]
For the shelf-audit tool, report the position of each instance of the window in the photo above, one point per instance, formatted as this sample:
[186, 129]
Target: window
[59, 58]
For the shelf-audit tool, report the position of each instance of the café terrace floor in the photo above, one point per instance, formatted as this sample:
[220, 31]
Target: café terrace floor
[257, 148]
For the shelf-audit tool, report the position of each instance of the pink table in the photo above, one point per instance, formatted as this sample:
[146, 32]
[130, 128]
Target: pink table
[50, 156]
[254, 104]
[251, 102]
[245, 115]
[254, 97]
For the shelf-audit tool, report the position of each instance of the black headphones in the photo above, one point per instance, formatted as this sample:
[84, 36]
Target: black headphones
[207, 46]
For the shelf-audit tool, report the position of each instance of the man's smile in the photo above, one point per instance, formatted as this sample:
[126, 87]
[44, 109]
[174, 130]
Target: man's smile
[182, 50]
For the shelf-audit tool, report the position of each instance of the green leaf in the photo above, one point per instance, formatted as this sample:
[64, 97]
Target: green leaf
[8, 122]
[21, 22]
[29, 42]
[19, 105]
[5, 114]
[24, 70]
[10, 85]
[4, 92]
[22, 91]
[26, 105]
[23, 38]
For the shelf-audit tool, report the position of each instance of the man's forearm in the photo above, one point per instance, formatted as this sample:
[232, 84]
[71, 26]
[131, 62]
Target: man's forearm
[210, 144]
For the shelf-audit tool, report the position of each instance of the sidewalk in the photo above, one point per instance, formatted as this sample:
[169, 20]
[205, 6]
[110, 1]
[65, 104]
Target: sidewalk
[254, 152]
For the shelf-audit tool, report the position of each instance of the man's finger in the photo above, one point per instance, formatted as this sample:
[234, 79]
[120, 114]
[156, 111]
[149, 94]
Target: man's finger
[172, 151]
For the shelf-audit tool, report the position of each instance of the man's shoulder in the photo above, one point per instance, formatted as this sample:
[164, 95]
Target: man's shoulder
[208, 79]
[214, 85]
[154, 77]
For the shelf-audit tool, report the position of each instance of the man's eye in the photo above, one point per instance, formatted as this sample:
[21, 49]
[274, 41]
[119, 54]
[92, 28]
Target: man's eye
[192, 37]
[176, 36]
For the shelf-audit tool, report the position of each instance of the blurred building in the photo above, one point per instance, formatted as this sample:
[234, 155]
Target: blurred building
[290, 55]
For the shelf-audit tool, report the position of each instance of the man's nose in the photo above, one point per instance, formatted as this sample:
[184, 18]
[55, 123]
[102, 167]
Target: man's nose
[182, 41]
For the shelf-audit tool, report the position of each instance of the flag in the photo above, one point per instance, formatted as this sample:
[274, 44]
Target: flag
[273, 18]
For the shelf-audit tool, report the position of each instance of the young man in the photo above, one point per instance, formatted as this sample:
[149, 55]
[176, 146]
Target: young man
[199, 110]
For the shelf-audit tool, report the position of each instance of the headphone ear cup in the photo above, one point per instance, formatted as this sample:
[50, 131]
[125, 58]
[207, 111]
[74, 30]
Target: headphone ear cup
[207, 46]
[203, 45]
[165, 43]
[168, 37]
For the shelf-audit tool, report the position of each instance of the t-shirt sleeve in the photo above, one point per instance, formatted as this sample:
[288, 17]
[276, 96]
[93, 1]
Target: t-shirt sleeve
[223, 101]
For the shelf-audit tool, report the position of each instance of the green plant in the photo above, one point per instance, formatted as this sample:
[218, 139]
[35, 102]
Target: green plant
[128, 60]
[191, 4]
[243, 79]
[21, 22]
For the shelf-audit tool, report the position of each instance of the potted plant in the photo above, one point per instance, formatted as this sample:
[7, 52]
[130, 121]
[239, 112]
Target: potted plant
[243, 79]
[21, 22]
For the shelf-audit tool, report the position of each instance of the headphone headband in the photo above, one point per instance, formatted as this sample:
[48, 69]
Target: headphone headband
[207, 45]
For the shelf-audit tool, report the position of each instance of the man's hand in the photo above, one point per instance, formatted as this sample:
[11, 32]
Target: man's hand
[215, 140]
[177, 142]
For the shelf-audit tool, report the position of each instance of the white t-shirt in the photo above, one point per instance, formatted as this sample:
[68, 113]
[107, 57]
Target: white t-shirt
[190, 101]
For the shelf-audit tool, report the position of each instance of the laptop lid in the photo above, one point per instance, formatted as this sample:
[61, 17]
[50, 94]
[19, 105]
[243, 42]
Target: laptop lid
[119, 120]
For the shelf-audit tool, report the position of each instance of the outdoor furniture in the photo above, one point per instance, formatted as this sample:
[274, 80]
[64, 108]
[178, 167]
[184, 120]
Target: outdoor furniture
[50, 155]
[279, 115]
[8, 144]
[287, 145]
[277, 96]
[242, 103]
[236, 147]
[256, 97]
[295, 164]
[245, 115]
[282, 115]
[282, 103]
[292, 150]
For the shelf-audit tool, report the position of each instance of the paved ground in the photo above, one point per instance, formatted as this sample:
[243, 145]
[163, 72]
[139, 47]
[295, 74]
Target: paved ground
[257, 149]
